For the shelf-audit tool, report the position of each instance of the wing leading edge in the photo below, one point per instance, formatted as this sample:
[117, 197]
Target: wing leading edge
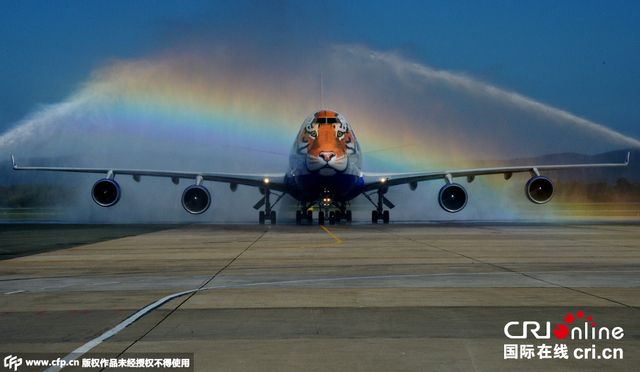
[271, 181]
[377, 181]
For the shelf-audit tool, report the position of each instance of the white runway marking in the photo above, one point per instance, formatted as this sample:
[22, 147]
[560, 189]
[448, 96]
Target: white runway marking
[105, 283]
[113, 331]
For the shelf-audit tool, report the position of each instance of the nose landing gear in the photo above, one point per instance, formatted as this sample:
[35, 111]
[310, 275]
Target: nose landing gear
[334, 217]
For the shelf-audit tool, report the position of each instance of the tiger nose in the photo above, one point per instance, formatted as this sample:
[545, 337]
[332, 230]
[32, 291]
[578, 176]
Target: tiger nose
[327, 155]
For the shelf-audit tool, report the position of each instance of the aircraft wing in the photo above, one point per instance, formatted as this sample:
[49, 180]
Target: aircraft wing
[376, 181]
[271, 181]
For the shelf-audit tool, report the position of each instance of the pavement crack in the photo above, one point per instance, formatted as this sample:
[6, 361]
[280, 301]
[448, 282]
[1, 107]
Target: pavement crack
[196, 291]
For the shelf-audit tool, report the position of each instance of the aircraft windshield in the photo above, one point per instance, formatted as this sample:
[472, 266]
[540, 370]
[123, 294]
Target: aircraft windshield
[326, 120]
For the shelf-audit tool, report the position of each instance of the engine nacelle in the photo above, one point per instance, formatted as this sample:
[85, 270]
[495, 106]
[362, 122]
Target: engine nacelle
[196, 199]
[106, 192]
[452, 197]
[539, 189]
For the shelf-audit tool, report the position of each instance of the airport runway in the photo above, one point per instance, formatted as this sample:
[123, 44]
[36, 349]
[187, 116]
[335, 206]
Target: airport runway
[398, 297]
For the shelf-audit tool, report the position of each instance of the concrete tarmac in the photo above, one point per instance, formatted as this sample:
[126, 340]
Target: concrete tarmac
[398, 297]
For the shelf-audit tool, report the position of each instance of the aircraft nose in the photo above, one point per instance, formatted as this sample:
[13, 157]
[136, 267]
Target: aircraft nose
[327, 155]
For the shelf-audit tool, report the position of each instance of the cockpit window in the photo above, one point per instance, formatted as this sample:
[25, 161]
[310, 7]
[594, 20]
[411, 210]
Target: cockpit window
[326, 120]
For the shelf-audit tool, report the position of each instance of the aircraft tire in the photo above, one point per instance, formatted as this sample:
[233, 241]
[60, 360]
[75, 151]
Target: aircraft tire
[298, 217]
[272, 217]
[320, 218]
[385, 217]
[332, 218]
[348, 216]
[339, 216]
[261, 217]
[309, 217]
[374, 217]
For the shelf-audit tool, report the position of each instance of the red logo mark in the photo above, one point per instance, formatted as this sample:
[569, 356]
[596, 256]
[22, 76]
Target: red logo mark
[561, 331]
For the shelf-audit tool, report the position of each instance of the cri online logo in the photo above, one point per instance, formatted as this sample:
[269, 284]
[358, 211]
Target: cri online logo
[587, 331]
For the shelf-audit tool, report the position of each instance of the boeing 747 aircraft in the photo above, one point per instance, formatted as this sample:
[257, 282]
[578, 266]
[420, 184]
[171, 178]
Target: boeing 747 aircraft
[324, 170]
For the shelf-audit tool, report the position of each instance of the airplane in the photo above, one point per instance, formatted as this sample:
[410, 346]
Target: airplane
[324, 169]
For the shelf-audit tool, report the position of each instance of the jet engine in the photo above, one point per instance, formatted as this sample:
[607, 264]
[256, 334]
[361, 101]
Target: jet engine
[539, 189]
[196, 199]
[106, 192]
[452, 197]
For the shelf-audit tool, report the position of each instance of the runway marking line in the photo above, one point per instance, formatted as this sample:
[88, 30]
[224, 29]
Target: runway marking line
[330, 233]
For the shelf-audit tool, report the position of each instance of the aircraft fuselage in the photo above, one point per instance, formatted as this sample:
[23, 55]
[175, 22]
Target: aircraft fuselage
[325, 160]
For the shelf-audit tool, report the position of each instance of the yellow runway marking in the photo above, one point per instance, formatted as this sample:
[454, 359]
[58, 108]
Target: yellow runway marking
[330, 233]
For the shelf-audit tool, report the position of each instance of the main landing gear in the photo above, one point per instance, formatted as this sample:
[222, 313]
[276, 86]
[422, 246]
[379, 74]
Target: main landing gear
[379, 213]
[376, 216]
[268, 213]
